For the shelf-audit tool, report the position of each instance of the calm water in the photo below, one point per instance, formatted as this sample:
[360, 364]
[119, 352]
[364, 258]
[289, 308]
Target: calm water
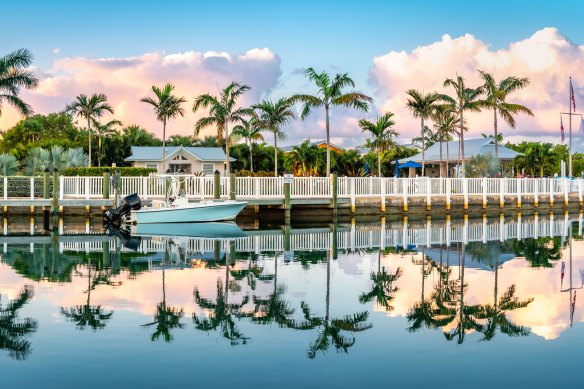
[461, 303]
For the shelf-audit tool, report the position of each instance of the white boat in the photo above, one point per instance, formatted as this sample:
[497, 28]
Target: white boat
[181, 211]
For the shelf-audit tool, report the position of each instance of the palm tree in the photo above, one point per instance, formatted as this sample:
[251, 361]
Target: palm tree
[465, 99]
[222, 111]
[382, 135]
[422, 105]
[249, 130]
[272, 117]
[87, 315]
[14, 76]
[90, 109]
[496, 94]
[484, 165]
[445, 123]
[305, 159]
[104, 130]
[166, 106]
[13, 331]
[8, 164]
[331, 94]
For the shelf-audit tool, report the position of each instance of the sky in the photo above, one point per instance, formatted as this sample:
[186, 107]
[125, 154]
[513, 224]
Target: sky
[122, 48]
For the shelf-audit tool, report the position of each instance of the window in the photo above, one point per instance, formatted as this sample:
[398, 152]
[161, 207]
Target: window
[151, 165]
[208, 169]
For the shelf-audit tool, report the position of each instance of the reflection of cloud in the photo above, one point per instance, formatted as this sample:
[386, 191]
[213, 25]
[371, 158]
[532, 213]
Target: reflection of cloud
[126, 80]
[547, 58]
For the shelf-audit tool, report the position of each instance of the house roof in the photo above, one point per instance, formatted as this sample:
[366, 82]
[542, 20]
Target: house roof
[154, 153]
[472, 147]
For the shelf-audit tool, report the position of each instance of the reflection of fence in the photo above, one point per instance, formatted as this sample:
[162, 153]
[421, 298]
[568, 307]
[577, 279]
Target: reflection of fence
[358, 237]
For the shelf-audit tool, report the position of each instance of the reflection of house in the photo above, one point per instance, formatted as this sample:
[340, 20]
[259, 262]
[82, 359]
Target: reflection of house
[178, 158]
[320, 143]
[450, 152]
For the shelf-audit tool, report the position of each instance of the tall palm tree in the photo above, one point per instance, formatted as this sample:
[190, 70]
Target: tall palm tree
[14, 331]
[445, 124]
[104, 131]
[465, 99]
[495, 99]
[305, 159]
[331, 94]
[90, 109]
[166, 106]
[223, 110]
[250, 130]
[382, 135]
[422, 105]
[272, 117]
[14, 76]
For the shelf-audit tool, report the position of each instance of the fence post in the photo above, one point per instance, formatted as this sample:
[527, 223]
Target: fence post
[566, 192]
[106, 185]
[536, 192]
[580, 191]
[382, 189]
[335, 190]
[552, 182]
[484, 192]
[5, 188]
[352, 192]
[56, 191]
[232, 189]
[216, 185]
[86, 187]
[287, 202]
[405, 193]
[117, 182]
[46, 184]
[32, 188]
[465, 191]
[448, 192]
[519, 181]
[502, 183]
[428, 193]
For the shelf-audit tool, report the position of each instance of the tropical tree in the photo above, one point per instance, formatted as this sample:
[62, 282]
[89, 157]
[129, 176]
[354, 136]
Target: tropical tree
[14, 76]
[14, 331]
[182, 140]
[8, 164]
[223, 111]
[90, 109]
[382, 135]
[250, 130]
[422, 105]
[465, 99]
[495, 99]
[331, 93]
[305, 159]
[272, 117]
[105, 130]
[166, 106]
[445, 124]
[483, 165]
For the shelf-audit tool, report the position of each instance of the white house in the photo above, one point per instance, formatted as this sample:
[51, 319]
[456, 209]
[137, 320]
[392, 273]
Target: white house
[189, 160]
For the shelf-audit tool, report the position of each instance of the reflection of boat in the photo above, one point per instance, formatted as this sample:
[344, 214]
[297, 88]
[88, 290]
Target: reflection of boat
[185, 212]
[211, 230]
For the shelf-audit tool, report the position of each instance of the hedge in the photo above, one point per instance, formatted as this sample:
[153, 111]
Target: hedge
[98, 171]
[247, 173]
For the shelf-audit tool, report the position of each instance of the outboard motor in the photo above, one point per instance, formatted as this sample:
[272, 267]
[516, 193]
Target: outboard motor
[128, 241]
[128, 204]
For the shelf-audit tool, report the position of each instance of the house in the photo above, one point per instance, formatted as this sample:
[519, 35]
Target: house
[321, 144]
[190, 160]
[450, 153]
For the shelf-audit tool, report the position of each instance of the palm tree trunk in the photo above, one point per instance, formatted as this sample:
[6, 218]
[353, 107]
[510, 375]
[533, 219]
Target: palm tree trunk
[328, 144]
[99, 151]
[496, 138]
[423, 149]
[275, 155]
[227, 167]
[462, 143]
[163, 145]
[250, 155]
[89, 141]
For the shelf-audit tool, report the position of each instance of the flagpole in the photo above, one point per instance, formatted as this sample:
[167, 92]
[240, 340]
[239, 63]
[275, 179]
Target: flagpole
[570, 141]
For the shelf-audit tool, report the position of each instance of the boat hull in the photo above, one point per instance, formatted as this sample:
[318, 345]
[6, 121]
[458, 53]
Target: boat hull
[212, 212]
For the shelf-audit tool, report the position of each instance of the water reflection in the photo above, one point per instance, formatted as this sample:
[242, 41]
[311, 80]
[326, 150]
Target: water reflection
[458, 279]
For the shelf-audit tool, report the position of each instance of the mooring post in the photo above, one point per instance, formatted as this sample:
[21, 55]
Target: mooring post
[448, 192]
[382, 190]
[56, 195]
[465, 191]
[106, 185]
[335, 190]
[287, 202]
[502, 182]
[484, 192]
[216, 185]
[335, 241]
[117, 184]
[232, 188]
[519, 181]
[428, 193]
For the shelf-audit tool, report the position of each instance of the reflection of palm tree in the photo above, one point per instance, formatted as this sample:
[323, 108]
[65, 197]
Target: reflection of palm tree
[166, 318]
[539, 252]
[13, 332]
[496, 318]
[333, 328]
[87, 315]
[382, 289]
[422, 313]
[251, 274]
[221, 316]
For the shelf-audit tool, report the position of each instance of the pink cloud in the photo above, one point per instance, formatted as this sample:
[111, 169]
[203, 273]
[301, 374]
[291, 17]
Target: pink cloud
[126, 80]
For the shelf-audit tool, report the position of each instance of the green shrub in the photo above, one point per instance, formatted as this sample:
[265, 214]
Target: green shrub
[98, 171]
[247, 173]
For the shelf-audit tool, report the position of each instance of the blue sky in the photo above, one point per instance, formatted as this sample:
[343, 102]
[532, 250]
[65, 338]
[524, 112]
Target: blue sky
[337, 36]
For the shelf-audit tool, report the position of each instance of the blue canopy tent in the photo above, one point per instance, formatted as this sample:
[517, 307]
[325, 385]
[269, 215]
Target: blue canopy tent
[407, 165]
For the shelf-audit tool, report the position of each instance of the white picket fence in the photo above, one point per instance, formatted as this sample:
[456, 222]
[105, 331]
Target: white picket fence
[247, 188]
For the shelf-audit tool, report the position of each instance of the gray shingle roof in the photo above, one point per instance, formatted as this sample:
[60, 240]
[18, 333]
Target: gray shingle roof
[472, 147]
[154, 153]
